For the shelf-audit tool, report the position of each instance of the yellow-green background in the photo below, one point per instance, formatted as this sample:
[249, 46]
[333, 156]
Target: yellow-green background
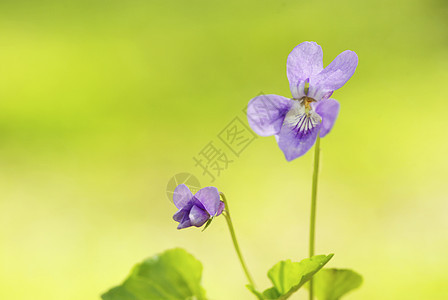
[101, 102]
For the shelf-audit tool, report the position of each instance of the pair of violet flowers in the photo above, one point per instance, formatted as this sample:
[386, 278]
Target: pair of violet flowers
[295, 122]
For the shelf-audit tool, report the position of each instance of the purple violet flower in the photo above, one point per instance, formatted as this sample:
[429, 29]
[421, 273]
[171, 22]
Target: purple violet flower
[198, 209]
[296, 122]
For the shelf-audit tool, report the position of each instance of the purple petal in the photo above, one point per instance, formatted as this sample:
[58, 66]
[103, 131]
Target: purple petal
[299, 131]
[328, 110]
[266, 113]
[185, 224]
[334, 76]
[182, 195]
[198, 216]
[209, 197]
[304, 61]
[197, 203]
[181, 213]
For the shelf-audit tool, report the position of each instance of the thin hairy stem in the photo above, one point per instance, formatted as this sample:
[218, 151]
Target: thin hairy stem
[226, 214]
[313, 205]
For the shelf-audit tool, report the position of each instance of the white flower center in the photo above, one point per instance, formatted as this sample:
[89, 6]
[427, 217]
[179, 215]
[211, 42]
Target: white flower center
[301, 117]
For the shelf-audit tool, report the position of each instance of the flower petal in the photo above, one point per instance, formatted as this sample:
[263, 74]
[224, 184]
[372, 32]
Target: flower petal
[198, 216]
[181, 213]
[304, 61]
[209, 197]
[184, 224]
[265, 113]
[334, 76]
[182, 195]
[299, 131]
[328, 110]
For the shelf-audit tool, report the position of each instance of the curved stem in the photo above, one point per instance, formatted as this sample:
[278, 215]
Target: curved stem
[313, 205]
[226, 214]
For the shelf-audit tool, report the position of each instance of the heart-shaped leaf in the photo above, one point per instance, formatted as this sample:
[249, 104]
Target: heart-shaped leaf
[332, 284]
[287, 276]
[173, 275]
[255, 292]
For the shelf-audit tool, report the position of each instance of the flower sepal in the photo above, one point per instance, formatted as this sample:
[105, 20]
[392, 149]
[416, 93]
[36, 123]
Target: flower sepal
[207, 224]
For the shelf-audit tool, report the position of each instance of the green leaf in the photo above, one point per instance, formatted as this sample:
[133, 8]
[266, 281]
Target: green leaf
[255, 292]
[118, 293]
[271, 293]
[172, 275]
[332, 284]
[288, 276]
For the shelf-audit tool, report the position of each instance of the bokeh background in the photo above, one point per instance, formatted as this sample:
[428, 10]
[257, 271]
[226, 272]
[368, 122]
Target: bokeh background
[102, 102]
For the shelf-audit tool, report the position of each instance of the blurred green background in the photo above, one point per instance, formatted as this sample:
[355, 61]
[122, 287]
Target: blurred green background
[102, 102]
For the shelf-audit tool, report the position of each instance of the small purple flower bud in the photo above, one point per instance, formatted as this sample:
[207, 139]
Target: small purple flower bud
[198, 209]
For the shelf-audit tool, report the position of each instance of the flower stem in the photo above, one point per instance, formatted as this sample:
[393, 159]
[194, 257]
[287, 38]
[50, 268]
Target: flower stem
[313, 205]
[226, 214]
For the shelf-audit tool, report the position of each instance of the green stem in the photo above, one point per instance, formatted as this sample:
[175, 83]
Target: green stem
[313, 205]
[226, 214]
